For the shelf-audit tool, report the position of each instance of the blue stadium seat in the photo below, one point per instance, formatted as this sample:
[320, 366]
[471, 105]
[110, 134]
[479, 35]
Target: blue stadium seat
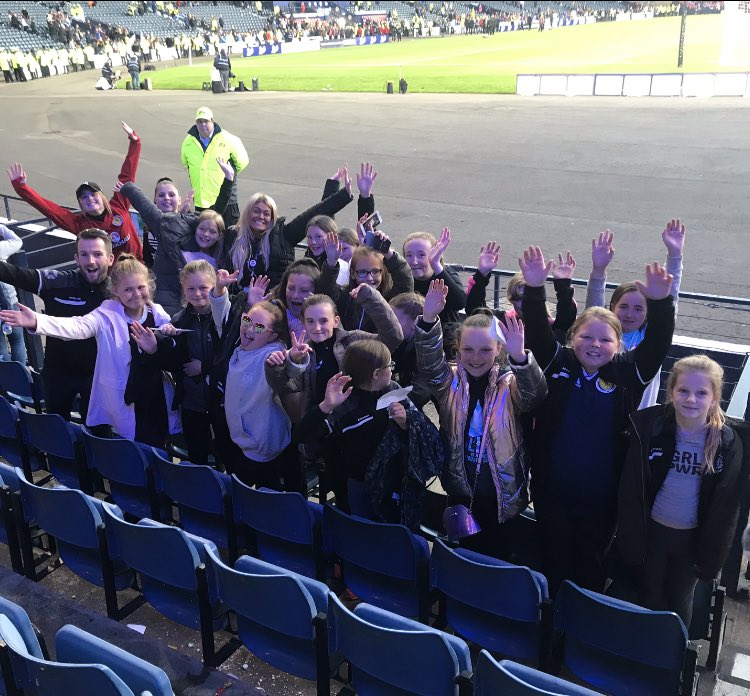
[20, 385]
[281, 616]
[288, 528]
[390, 654]
[497, 605]
[172, 568]
[9, 488]
[622, 648]
[506, 678]
[10, 440]
[383, 564]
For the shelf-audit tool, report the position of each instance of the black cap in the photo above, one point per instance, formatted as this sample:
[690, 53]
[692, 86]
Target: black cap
[90, 185]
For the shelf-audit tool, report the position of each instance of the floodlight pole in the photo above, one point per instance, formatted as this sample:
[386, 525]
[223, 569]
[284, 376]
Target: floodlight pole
[681, 51]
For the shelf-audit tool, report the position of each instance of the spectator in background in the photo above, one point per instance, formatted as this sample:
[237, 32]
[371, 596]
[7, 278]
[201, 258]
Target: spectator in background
[223, 65]
[134, 68]
[10, 243]
[205, 142]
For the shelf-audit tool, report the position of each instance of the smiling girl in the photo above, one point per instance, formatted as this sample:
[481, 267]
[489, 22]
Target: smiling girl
[128, 392]
[578, 447]
[680, 489]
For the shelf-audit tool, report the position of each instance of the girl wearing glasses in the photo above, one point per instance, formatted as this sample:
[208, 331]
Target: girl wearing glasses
[481, 400]
[387, 272]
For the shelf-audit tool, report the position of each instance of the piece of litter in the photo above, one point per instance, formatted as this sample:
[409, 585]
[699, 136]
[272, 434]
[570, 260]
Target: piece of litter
[138, 628]
[246, 666]
[191, 645]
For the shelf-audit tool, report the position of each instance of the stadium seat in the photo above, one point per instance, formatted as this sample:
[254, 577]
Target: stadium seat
[20, 385]
[286, 526]
[621, 648]
[709, 618]
[10, 440]
[59, 446]
[390, 654]
[507, 678]
[281, 616]
[76, 523]
[172, 568]
[384, 564]
[9, 488]
[497, 605]
[203, 499]
[128, 466]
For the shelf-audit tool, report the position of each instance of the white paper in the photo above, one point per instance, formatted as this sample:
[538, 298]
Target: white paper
[138, 628]
[392, 397]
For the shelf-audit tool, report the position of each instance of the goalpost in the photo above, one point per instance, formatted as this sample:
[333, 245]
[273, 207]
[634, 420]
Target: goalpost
[735, 44]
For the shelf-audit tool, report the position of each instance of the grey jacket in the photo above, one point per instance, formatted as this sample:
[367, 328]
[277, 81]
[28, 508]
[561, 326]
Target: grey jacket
[527, 388]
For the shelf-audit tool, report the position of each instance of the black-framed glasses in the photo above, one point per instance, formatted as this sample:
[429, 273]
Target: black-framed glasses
[391, 365]
[371, 273]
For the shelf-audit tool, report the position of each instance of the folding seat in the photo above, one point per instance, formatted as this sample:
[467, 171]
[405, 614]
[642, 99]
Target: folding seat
[10, 439]
[709, 618]
[20, 385]
[286, 526]
[9, 486]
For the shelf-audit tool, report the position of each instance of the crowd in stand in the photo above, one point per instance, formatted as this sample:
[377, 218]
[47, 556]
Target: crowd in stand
[378, 368]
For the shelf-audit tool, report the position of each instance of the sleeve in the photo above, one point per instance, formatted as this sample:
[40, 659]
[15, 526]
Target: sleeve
[652, 350]
[456, 299]
[530, 386]
[566, 309]
[294, 231]
[62, 217]
[68, 328]
[128, 170]
[674, 266]
[239, 157]
[432, 365]
[539, 337]
[149, 211]
[330, 187]
[183, 154]
[365, 206]
[220, 307]
[327, 282]
[25, 278]
[225, 194]
[315, 425]
[10, 242]
[403, 280]
[595, 292]
[477, 296]
[384, 318]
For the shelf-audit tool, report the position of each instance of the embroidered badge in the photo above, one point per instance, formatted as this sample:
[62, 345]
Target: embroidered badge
[117, 220]
[605, 387]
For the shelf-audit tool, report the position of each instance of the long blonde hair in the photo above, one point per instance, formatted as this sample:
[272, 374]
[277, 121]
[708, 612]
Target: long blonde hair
[716, 416]
[243, 243]
[127, 264]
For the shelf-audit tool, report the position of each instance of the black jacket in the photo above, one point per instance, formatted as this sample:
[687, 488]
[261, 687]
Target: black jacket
[650, 452]
[456, 299]
[65, 294]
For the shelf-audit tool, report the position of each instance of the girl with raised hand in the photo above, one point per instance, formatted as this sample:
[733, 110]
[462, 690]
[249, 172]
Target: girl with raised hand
[480, 402]
[181, 237]
[300, 280]
[384, 271]
[578, 446]
[627, 302]
[113, 216]
[264, 242]
[128, 392]
[321, 234]
[562, 274]
[680, 489]
[424, 254]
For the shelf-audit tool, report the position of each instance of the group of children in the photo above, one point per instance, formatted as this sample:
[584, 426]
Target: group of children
[274, 366]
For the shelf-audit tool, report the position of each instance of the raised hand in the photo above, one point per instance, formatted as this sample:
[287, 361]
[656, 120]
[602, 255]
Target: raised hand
[192, 368]
[354, 292]
[223, 280]
[187, 203]
[118, 186]
[347, 179]
[128, 130]
[144, 337]
[534, 268]
[16, 172]
[361, 229]
[563, 267]
[397, 413]
[23, 317]
[299, 348]
[332, 248]
[436, 252]
[657, 286]
[257, 290]
[276, 359]
[337, 176]
[602, 253]
[365, 179]
[513, 333]
[673, 237]
[489, 258]
[385, 243]
[434, 301]
[336, 392]
[225, 167]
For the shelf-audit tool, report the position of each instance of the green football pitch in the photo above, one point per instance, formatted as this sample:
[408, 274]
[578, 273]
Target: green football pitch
[478, 63]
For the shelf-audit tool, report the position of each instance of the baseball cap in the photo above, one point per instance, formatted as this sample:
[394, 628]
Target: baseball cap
[204, 112]
[90, 185]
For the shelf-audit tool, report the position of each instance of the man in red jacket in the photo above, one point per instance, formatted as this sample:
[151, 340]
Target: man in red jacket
[112, 216]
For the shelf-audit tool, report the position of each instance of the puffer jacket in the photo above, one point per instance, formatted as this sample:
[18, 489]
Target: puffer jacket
[650, 454]
[510, 392]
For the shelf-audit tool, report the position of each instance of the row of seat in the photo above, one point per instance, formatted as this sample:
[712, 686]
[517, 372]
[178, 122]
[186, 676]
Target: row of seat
[84, 664]
[279, 611]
